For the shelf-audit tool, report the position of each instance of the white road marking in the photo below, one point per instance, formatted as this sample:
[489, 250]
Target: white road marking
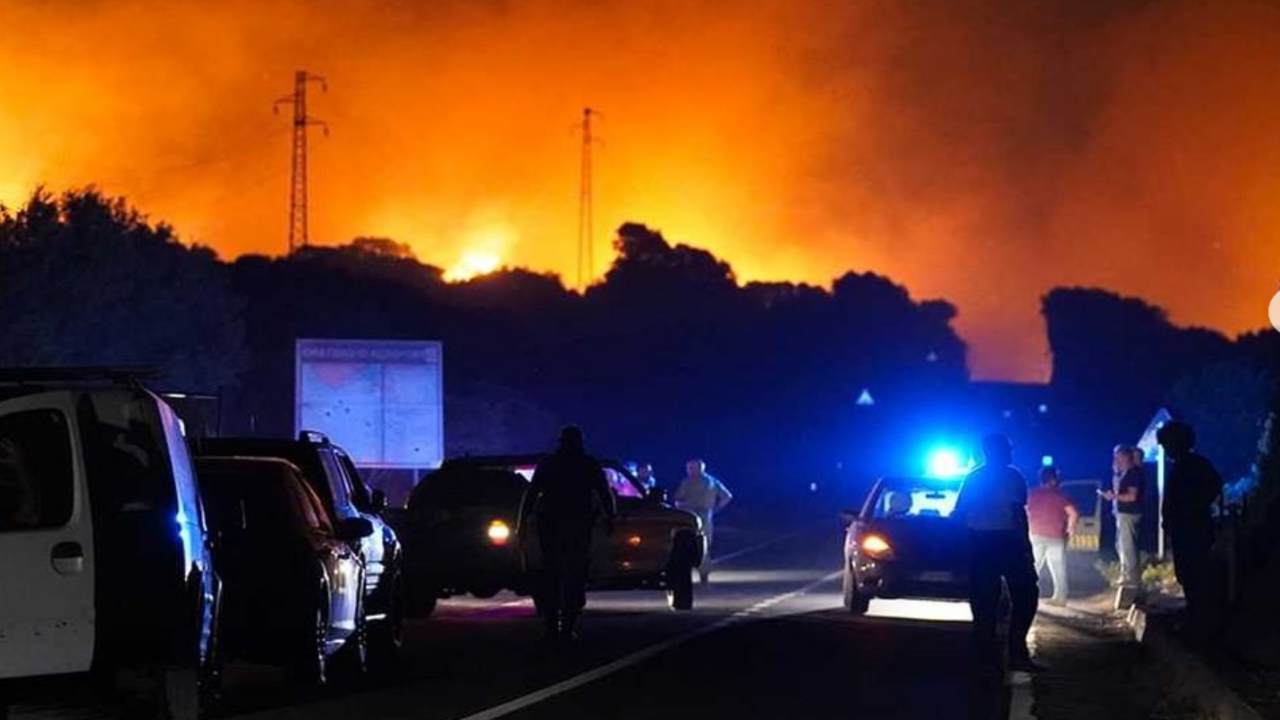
[758, 546]
[639, 656]
[1022, 691]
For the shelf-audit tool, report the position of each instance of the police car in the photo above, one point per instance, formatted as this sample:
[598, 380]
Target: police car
[903, 542]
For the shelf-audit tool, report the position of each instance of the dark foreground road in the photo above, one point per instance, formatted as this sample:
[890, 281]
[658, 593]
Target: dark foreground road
[768, 639]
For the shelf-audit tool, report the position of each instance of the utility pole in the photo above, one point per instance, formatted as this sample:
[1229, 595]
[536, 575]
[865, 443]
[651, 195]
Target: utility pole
[298, 176]
[586, 240]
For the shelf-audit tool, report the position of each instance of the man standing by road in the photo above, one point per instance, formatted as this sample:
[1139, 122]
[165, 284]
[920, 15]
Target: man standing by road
[1053, 521]
[992, 504]
[644, 473]
[1126, 495]
[568, 491]
[704, 496]
[1191, 488]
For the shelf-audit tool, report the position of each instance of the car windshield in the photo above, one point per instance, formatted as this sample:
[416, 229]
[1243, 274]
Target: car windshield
[622, 485]
[902, 499]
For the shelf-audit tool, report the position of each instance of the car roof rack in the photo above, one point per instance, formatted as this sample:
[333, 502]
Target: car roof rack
[83, 374]
[315, 437]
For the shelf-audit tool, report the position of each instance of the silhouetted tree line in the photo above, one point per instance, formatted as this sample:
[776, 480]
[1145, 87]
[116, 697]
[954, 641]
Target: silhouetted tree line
[1116, 360]
[667, 357]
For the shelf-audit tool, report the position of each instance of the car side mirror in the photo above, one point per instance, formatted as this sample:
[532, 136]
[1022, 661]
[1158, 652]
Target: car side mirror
[378, 499]
[352, 529]
[848, 516]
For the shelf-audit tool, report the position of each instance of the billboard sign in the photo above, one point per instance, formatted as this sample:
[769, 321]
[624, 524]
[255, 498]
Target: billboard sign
[381, 400]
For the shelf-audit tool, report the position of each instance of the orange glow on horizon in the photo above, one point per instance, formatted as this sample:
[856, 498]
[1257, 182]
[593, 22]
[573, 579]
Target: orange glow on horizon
[979, 151]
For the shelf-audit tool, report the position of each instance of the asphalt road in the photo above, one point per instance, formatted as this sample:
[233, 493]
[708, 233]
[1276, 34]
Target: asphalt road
[767, 638]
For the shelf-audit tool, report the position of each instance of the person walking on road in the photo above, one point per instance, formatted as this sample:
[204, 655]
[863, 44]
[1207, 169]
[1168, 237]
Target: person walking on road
[567, 495]
[1191, 488]
[1053, 519]
[1128, 478]
[704, 496]
[992, 504]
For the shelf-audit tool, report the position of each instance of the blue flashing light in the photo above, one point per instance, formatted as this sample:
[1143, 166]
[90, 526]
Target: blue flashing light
[945, 463]
[1046, 461]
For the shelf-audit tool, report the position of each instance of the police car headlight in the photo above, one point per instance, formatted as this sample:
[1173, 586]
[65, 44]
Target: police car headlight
[876, 546]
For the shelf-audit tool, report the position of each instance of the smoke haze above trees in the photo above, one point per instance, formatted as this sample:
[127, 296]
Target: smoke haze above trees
[978, 150]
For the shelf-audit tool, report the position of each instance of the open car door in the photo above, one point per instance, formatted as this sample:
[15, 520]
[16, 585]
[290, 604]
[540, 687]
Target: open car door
[1084, 495]
[46, 539]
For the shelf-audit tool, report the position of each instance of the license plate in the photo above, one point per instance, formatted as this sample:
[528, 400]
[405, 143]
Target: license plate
[936, 576]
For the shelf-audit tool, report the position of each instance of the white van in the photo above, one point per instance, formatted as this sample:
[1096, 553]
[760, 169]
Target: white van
[105, 570]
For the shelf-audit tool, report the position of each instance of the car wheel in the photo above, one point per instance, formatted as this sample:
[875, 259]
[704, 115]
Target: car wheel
[179, 691]
[386, 636]
[422, 598]
[313, 664]
[680, 575]
[210, 690]
[854, 601]
[353, 658]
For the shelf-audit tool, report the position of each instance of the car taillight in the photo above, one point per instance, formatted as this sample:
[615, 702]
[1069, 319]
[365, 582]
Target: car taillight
[876, 546]
[499, 532]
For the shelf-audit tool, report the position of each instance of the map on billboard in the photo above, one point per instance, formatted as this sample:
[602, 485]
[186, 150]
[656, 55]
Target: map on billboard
[381, 400]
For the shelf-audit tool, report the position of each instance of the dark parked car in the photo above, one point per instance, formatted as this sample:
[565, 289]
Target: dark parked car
[461, 535]
[904, 543]
[292, 585]
[331, 474]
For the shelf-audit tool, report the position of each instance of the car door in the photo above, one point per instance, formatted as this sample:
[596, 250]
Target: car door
[640, 540]
[46, 539]
[373, 548]
[1084, 495]
[342, 566]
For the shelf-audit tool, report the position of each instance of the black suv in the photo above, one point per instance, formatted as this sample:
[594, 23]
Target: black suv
[330, 472]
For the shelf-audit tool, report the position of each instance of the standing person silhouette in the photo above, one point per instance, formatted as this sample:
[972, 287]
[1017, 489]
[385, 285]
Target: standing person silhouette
[1053, 520]
[1191, 488]
[1128, 481]
[992, 504]
[567, 494]
[704, 496]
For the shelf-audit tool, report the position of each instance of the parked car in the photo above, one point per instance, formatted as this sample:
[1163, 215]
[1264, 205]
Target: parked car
[904, 543]
[461, 535]
[1084, 495]
[293, 588]
[329, 471]
[103, 551]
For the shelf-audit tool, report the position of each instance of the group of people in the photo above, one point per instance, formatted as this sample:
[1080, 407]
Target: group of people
[1052, 519]
[569, 494]
[1014, 534]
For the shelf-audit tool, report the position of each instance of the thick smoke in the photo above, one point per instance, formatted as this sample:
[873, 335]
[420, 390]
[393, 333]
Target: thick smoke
[980, 151]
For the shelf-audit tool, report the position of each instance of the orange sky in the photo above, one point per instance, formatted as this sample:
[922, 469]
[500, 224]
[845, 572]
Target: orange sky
[979, 151]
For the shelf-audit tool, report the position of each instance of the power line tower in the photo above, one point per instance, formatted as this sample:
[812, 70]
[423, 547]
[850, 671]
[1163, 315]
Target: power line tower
[298, 176]
[586, 239]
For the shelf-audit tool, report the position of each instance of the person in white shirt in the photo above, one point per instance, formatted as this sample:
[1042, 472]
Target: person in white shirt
[993, 506]
[704, 496]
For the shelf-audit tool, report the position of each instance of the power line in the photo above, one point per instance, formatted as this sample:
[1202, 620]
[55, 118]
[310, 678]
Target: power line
[298, 179]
